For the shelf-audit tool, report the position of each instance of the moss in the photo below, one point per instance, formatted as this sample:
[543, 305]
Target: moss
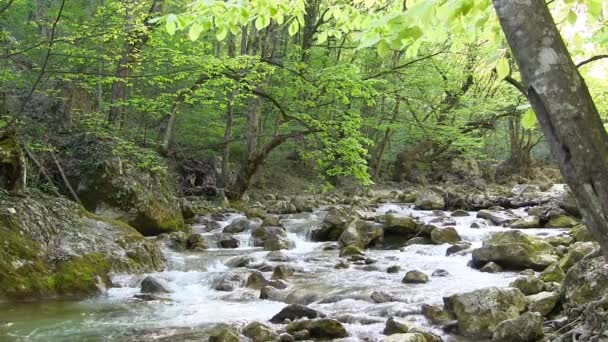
[79, 275]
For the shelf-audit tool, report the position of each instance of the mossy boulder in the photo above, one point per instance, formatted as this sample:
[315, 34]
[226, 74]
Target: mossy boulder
[543, 302]
[259, 332]
[528, 285]
[553, 274]
[586, 281]
[515, 250]
[350, 251]
[119, 181]
[479, 312]
[561, 221]
[527, 327]
[50, 246]
[323, 328]
[576, 252]
[581, 233]
[445, 235]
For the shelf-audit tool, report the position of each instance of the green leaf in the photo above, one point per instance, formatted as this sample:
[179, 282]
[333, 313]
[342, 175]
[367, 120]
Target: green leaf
[170, 25]
[322, 37]
[195, 31]
[293, 28]
[572, 17]
[595, 8]
[528, 120]
[383, 49]
[262, 21]
[502, 68]
[221, 33]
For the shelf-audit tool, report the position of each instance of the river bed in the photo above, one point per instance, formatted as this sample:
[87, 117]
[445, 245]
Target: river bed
[194, 307]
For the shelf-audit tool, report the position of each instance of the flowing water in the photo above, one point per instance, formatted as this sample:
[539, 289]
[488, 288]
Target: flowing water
[193, 307]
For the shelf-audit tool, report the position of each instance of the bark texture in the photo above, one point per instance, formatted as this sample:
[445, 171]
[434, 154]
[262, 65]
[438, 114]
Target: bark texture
[563, 105]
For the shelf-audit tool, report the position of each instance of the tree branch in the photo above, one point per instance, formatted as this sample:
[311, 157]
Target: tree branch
[591, 59]
[405, 65]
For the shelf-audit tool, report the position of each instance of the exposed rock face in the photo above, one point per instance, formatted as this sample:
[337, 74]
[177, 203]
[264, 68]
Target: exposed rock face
[430, 199]
[117, 188]
[586, 281]
[480, 312]
[515, 250]
[525, 328]
[52, 246]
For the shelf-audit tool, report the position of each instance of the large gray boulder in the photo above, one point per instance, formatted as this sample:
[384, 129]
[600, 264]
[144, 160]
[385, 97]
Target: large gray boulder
[515, 250]
[361, 233]
[238, 226]
[272, 238]
[479, 312]
[445, 235]
[430, 199]
[333, 224]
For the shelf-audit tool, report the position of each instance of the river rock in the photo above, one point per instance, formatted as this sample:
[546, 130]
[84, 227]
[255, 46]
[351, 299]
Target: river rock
[430, 199]
[350, 250]
[398, 225]
[586, 281]
[240, 261]
[525, 328]
[333, 225]
[225, 240]
[382, 297]
[259, 332]
[543, 302]
[479, 312]
[393, 269]
[153, 285]
[415, 277]
[440, 236]
[553, 273]
[224, 335]
[51, 246]
[238, 226]
[361, 233]
[196, 242]
[576, 252]
[530, 221]
[278, 256]
[516, 250]
[491, 267]
[282, 272]
[228, 282]
[562, 221]
[272, 221]
[323, 328]
[256, 280]
[440, 273]
[409, 337]
[418, 240]
[272, 238]
[528, 285]
[393, 327]
[498, 218]
[435, 314]
[460, 213]
[457, 248]
[581, 233]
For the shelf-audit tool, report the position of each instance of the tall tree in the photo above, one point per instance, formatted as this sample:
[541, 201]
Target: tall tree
[565, 110]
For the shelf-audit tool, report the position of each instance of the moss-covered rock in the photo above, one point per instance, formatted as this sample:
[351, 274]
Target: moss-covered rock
[430, 199]
[445, 235]
[120, 181]
[361, 233]
[350, 250]
[323, 328]
[553, 274]
[527, 327]
[586, 281]
[562, 221]
[51, 246]
[480, 312]
[580, 233]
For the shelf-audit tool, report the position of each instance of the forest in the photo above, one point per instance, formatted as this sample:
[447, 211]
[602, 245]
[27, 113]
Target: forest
[286, 170]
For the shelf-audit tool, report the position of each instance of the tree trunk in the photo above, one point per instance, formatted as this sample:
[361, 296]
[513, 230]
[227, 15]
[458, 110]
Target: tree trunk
[229, 116]
[563, 105]
[134, 42]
